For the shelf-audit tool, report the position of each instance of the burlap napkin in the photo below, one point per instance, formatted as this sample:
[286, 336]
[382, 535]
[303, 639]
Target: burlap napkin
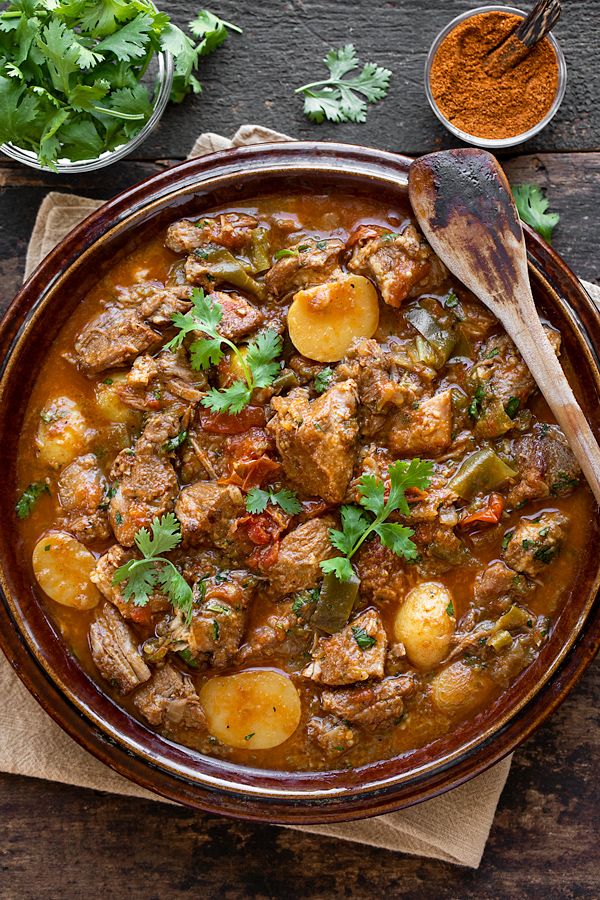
[453, 827]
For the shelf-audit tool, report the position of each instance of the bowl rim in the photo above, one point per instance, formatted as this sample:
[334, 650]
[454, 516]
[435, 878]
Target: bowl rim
[221, 794]
[515, 139]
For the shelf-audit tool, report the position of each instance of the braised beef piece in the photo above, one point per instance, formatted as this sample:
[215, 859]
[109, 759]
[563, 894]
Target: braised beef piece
[114, 650]
[170, 700]
[355, 653]
[317, 439]
[300, 553]
[501, 369]
[546, 466]
[372, 704]
[82, 490]
[231, 230]
[208, 512]
[218, 624]
[102, 576]
[124, 329]
[166, 381]
[240, 317]
[535, 543]
[144, 483]
[330, 735]
[423, 429]
[497, 580]
[311, 262]
[401, 265]
[383, 574]
[285, 633]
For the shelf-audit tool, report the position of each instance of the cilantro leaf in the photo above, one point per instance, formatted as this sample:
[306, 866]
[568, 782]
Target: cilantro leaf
[140, 580]
[257, 500]
[130, 41]
[414, 474]
[210, 30]
[166, 535]
[364, 640]
[354, 524]
[231, 399]
[532, 207]
[397, 538]
[260, 356]
[341, 99]
[177, 589]
[205, 353]
[340, 566]
[28, 498]
[323, 380]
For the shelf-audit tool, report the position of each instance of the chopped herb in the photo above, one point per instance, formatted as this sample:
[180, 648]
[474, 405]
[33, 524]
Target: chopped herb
[474, 408]
[545, 554]
[564, 483]
[212, 606]
[512, 407]
[492, 353]
[47, 417]
[107, 381]
[364, 640]
[304, 598]
[450, 609]
[323, 380]
[216, 629]
[527, 544]
[249, 736]
[532, 206]
[529, 623]
[118, 518]
[451, 301]
[544, 429]
[257, 501]
[286, 252]
[175, 442]
[140, 577]
[340, 99]
[48, 547]
[28, 498]
[389, 236]
[186, 656]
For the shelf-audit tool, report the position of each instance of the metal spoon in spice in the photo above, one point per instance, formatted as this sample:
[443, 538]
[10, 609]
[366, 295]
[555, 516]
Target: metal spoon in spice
[464, 205]
[542, 19]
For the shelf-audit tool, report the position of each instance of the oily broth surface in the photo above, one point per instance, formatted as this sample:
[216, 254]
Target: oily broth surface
[320, 215]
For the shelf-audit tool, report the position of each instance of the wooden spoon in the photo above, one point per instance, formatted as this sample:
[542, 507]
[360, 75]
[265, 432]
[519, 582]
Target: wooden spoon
[542, 18]
[464, 205]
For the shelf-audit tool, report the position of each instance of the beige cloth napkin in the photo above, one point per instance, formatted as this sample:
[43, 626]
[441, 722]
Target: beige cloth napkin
[453, 827]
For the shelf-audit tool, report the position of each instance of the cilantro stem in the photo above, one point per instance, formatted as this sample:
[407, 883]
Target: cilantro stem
[336, 82]
[238, 355]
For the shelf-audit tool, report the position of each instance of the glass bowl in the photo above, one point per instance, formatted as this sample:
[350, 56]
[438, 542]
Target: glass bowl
[162, 74]
[494, 143]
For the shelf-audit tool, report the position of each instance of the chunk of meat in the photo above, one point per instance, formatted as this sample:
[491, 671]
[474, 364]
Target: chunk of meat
[218, 625]
[370, 705]
[501, 369]
[355, 653]
[240, 317]
[124, 329]
[165, 381]
[330, 735]
[300, 553]
[144, 480]
[383, 575]
[546, 466]
[314, 263]
[102, 576]
[208, 513]
[114, 650]
[535, 543]
[231, 230]
[317, 439]
[170, 700]
[82, 490]
[424, 430]
[401, 265]
[495, 581]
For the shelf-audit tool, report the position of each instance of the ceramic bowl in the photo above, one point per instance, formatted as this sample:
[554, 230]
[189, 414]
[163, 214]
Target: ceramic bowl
[42, 659]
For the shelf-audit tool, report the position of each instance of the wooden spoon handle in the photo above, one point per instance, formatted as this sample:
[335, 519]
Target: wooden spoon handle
[535, 348]
[542, 18]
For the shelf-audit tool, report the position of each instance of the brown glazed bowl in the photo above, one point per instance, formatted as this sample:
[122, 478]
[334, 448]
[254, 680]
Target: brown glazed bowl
[43, 661]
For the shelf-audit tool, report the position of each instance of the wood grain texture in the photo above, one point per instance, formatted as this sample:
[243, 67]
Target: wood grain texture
[59, 841]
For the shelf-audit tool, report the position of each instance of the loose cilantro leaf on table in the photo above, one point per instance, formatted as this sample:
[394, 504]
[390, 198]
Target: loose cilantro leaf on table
[341, 99]
[28, 498]
[357, 526]
[257, 500]
[140, 577]
[532, 207]
[257, 361]
[71, 71]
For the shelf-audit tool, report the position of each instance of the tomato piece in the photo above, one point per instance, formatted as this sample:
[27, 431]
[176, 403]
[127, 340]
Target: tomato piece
[224, 423]
[489, 515]
[364, 233]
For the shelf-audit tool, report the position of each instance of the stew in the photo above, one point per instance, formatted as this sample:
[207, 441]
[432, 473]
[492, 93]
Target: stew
[288, 489]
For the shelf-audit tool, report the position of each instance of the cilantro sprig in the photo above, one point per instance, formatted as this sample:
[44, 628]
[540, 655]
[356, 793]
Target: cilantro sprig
[341, 99]
[71, 71]
[257, 501]
[532, 207]
[357, 525]
[257, 360]
[29, 497]
[140, 577]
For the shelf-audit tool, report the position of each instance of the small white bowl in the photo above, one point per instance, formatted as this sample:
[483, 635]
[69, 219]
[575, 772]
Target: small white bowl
[490, 143]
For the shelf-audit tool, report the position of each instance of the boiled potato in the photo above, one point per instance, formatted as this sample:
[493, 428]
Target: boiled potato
[425, 624]
[62, 567]
[63, 432]
[255, 710]
[324, 320]
[110, 404]
[460, 689]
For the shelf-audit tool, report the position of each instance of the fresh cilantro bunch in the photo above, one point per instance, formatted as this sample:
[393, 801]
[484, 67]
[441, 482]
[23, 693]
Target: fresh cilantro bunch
[357, 525]
[531, 206]
[71, 71]
[257, 360]
[341, 99]
[257, 501]
[141, 577]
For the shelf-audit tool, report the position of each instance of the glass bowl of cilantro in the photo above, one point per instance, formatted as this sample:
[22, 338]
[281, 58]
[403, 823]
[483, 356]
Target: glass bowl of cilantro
[82, 83]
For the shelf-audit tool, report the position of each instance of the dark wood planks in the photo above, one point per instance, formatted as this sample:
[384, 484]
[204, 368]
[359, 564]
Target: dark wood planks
[61, 841]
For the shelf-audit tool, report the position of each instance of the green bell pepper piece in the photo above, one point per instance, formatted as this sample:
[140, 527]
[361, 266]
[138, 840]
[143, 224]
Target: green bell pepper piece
[223, 266]
[335, 603]
[479, 473]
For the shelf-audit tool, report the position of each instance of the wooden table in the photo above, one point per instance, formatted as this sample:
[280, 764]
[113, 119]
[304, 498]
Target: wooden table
[58, 841]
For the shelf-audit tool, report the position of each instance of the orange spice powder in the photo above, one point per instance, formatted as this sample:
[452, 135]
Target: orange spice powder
[487, 106]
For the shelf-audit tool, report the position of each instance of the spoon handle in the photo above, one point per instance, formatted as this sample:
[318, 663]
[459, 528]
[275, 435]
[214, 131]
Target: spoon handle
[542, 18]
[528, 334]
